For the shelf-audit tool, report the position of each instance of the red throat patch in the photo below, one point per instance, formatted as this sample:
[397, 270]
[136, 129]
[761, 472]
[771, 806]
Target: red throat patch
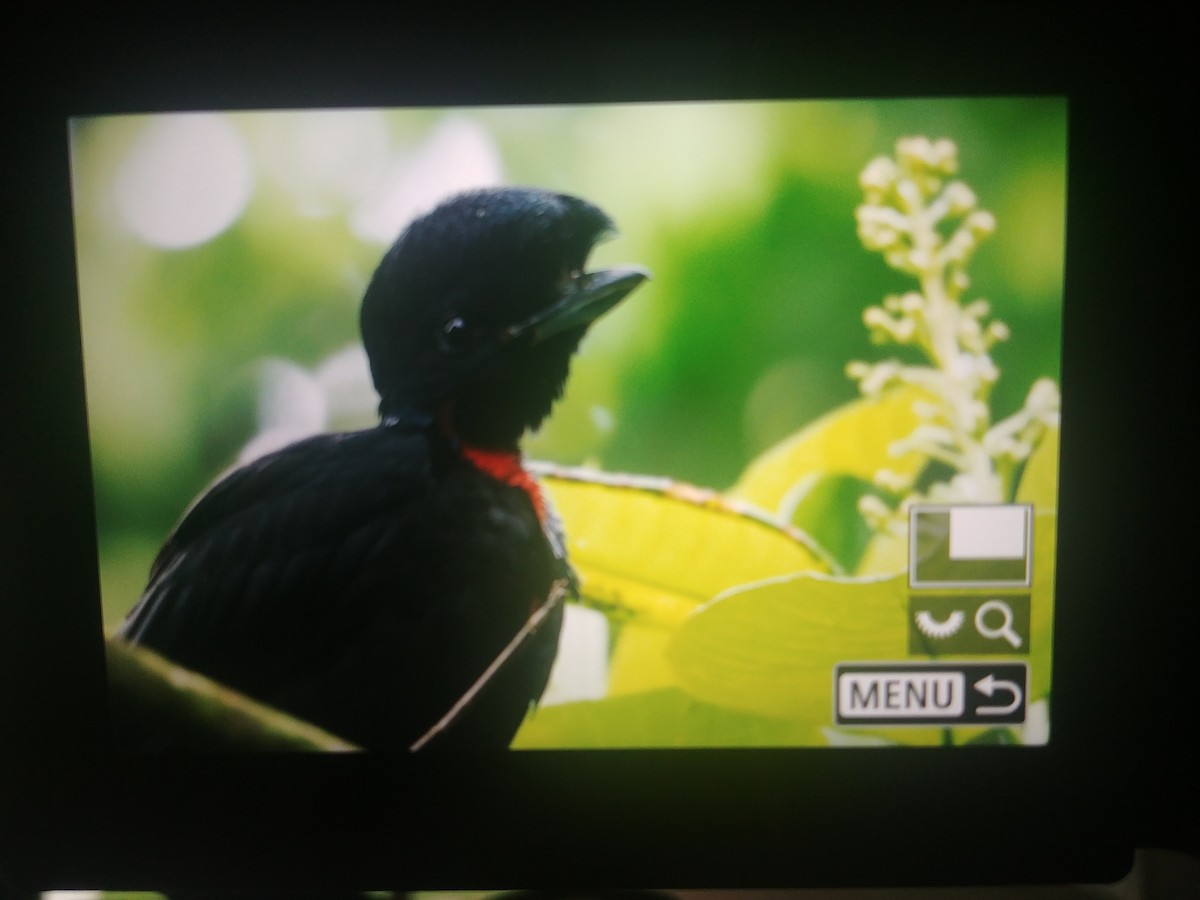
[505, 466]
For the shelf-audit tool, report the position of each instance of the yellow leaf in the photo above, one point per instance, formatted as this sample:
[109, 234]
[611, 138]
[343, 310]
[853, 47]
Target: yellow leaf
[1041, 633]
[886, 553]
[638, 660]
[657, 548]
[854, 439]
[770, 648]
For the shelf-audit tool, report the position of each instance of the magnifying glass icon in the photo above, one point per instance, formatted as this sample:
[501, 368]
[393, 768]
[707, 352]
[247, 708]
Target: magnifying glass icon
[1004, 629]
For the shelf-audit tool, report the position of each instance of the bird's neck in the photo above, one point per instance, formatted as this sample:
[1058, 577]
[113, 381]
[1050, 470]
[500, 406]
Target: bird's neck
[499, 460]
[444, 421]
[506, 466]
[502, 461]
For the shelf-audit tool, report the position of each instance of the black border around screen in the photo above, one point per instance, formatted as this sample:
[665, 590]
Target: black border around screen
[1111, 778]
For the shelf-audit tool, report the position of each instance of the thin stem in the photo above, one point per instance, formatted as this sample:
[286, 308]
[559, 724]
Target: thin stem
[558, 591]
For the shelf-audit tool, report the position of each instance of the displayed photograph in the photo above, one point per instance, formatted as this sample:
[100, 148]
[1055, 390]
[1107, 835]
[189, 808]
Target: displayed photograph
[547, 428]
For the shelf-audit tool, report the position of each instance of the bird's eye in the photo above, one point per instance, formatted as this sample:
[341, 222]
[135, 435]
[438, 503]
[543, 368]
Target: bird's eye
[455, 334]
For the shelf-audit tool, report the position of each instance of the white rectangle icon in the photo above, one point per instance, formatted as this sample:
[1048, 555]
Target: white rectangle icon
[901, 694]
[988, 532]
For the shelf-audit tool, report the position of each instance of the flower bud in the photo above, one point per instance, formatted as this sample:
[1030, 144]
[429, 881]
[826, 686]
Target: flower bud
[959, 198]
[879, 175]
[981, 223]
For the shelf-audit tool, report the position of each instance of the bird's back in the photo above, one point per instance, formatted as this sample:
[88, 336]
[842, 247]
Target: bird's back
[362, 582]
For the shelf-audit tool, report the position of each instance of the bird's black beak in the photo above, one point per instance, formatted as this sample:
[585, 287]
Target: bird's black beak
[582, 300]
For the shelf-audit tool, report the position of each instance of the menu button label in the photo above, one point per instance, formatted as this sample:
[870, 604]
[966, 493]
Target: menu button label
[902, 695]
[932, 693]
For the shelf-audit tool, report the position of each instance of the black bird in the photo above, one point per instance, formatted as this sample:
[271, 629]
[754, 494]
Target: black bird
[366, 581]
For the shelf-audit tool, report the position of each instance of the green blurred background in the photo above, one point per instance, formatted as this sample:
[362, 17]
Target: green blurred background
[222, 259]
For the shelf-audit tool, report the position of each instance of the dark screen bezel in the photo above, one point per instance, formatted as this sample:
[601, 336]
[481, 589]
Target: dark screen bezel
[74, 813]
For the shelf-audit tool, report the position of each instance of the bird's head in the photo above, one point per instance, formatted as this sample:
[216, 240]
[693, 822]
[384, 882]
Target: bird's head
[474, 313]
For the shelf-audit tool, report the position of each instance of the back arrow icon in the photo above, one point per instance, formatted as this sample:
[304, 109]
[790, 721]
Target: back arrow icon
[988, 685]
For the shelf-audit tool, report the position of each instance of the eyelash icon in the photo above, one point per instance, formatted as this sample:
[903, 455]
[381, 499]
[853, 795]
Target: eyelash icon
[935, 629]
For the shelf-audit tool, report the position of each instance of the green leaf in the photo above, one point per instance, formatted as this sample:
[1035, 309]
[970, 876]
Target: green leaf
[770, 648]
[904, 736]
[854, 439]
[1039, 480]
[886, 553]
[1041, 609]
[155, 702]
[665, 718]
[638, 661]
[994, 736]
[829, 512]
[657, 548]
